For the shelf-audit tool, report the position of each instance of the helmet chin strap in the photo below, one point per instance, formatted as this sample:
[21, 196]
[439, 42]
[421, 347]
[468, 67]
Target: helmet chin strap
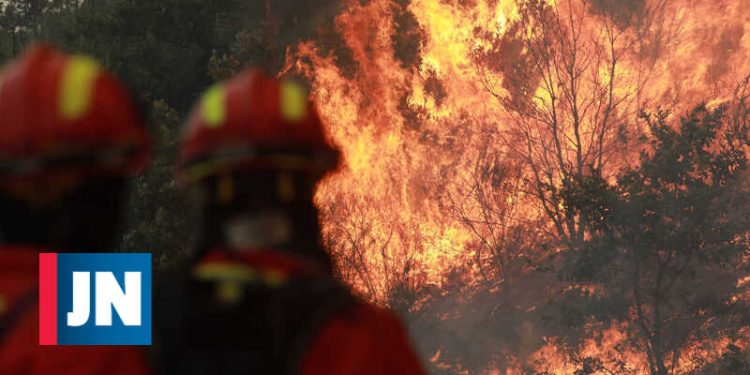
[263, 230]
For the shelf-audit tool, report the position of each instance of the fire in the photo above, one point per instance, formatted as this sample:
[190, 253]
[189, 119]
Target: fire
[600, 349]
[600, 355]
[422, 102]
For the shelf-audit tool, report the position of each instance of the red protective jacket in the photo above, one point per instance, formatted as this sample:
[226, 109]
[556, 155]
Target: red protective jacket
[20, 352]
[362, 340]
[368, 341]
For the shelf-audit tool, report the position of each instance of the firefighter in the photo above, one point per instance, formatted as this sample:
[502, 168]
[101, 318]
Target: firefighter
[69, 135]
[260, 297]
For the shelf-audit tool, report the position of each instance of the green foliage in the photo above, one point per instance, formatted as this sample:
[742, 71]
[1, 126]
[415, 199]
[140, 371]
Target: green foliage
[587, 196]
[158, 213]
[24, 20]
[160, 47]
[670, 245]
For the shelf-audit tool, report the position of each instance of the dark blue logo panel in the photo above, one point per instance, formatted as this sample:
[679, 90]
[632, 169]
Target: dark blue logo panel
[104, 299]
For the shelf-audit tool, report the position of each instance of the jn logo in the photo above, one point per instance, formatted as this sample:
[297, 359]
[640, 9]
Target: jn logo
[95, 299]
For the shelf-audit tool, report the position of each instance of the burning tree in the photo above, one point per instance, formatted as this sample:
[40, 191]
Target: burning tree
[487, 202]
[558, 76]
[469, 128]
[355, 239]
[669, 243]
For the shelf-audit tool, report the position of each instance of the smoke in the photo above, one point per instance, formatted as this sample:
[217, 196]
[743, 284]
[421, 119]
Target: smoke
[723, 48]
[408, 37]
[622, 12]
[300, 19]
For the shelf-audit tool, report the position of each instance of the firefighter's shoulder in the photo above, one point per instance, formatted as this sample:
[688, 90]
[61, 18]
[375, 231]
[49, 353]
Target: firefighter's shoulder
[20, 353]
[364, 339]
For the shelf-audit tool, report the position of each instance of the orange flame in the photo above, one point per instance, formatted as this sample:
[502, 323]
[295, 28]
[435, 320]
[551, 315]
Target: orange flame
[416, 131]
[409, 134]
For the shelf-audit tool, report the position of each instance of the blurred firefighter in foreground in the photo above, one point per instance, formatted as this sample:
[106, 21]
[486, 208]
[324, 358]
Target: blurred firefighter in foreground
[69, 136]
[260, 297]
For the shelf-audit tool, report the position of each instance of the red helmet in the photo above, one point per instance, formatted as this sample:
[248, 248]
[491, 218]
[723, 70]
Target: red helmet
[62, 114]
[253, 122]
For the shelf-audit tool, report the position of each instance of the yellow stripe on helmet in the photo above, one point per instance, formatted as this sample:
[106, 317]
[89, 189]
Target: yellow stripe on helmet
[77, 86]
[293, 101]
[214, 106]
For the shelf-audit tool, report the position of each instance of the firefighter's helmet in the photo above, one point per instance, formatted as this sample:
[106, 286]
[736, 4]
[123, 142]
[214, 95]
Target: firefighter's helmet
[63, 114]
[255, 122]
